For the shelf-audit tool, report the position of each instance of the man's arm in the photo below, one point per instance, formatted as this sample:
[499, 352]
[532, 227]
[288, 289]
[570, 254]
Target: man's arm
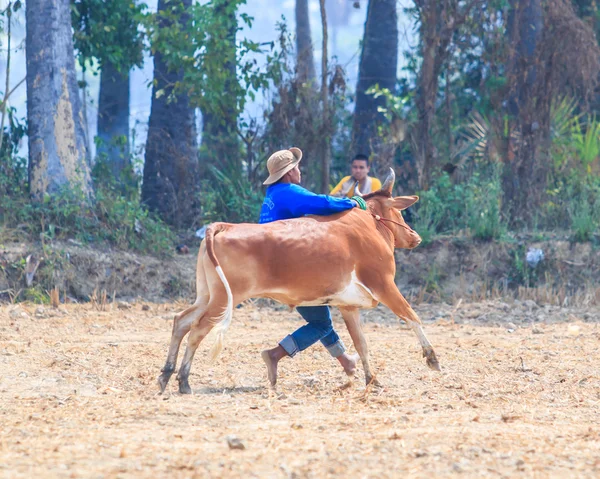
[337, 191]
[306, 203]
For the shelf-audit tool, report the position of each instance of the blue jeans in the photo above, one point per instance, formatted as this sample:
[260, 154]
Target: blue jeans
[319, 327]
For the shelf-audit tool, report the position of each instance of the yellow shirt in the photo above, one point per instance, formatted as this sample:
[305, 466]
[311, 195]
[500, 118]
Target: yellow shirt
[346, 186]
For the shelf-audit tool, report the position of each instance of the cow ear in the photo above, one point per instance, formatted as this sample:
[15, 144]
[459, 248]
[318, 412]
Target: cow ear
[403, 202]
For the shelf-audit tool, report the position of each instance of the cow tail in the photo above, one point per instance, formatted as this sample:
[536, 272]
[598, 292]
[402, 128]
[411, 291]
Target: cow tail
[224, 320]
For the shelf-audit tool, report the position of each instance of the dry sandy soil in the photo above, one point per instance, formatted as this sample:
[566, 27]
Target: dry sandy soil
[519, 396]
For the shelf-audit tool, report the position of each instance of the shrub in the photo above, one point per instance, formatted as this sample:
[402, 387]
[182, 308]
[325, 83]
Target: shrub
[584, 211]
[230, 196]
[113, 216]
[483, 207]
[448, 208]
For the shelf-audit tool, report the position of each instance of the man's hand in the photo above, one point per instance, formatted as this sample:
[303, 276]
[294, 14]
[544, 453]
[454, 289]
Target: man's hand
[362, 204]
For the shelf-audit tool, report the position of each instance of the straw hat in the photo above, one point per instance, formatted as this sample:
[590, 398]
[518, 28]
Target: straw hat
[280, 162]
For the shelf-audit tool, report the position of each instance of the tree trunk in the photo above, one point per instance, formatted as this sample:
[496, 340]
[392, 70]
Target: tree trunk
[378, 65]
[326, 150]
[435, 36]
[113, 118]
[57, 152]
[305, 65]
[524, 31]
[438, 21]
[220, 141]
[171, 184]
[425, 102]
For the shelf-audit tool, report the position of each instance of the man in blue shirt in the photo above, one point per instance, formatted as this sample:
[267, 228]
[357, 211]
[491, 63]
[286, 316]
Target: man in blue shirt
[286, 199]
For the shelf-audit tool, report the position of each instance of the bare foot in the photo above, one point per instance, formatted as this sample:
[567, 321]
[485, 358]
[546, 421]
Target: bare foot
[271, 366]
[349, 363]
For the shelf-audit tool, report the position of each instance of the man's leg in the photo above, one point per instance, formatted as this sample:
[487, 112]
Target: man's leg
[331, 340]
[336, 348]
[319, 326]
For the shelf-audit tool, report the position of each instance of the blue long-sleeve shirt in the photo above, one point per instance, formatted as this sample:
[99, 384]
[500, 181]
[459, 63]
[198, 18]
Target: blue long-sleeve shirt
[286, 200]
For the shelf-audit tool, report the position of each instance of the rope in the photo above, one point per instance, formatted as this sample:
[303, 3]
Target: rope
[379, 218]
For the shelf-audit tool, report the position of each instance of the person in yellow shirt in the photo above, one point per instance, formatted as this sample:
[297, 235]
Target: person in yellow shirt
[360, 173]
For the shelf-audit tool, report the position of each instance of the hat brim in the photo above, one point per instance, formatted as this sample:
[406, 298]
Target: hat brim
[279, 174]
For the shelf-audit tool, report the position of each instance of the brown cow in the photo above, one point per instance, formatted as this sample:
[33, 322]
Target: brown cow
[344, 260]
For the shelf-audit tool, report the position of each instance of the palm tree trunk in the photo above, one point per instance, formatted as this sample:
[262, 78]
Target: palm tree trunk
[305, 65]
[525, 27]
[171, 184]
[57, 152]
[113, 118]
[378, 65]
[326, 149]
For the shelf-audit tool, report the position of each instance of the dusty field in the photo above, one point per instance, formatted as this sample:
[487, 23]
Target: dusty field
[519, 395]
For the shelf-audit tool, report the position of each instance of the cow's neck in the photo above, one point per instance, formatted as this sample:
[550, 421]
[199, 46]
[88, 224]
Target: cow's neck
[385, 231]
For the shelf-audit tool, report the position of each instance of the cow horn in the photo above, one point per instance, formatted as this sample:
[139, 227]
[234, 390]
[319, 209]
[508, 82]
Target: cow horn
[357, 190]
[388, 184]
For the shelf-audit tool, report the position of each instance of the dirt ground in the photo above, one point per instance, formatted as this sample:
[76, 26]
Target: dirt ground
[519, 396]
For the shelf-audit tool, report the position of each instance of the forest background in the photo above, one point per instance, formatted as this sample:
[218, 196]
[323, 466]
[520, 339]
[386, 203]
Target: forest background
[485, 109]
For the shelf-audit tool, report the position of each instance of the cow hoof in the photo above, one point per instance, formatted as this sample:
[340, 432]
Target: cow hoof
[184, 387]
[373, 382]
[432, 361]
[162, 382]
[434, 365]
[347, 385]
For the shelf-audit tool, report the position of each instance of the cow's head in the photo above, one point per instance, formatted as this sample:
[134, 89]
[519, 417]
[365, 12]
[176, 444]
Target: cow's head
[382, 203]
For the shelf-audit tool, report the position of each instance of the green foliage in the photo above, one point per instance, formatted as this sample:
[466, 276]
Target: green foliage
[433, 279]
[221, 73]
[429, 218]
[13, 168]
[129, 226]
[108, 30]
[584, 211]
[519, 272]
[228, 195]
[36, 295]
[564, 121]
[441, 209]
[200, 42]
[295, 118]
[483, 206]
[448, 208]
[128, 182]
[395, 106]
[478, 135]
[574, 187]
[112, 217]
[586, 141]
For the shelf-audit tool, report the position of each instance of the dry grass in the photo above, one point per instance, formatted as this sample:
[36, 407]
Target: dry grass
[78, 399]
[585, 297]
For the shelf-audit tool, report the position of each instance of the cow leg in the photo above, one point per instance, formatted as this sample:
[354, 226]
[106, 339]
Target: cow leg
[184, 320]
[393, 299]
[181, 326]
[352, 319]
[199, 331]
[428, 351]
